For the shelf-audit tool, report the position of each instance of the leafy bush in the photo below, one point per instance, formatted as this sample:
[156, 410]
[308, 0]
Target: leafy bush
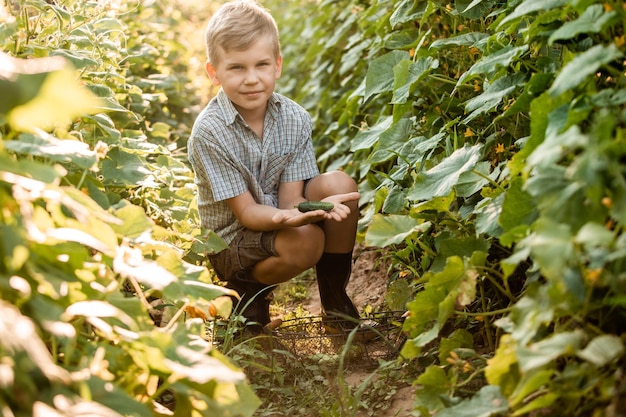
[488, 140]
[98, 219]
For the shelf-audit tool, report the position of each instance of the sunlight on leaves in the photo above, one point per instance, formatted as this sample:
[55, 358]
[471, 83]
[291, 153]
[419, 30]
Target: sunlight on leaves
[60, 99]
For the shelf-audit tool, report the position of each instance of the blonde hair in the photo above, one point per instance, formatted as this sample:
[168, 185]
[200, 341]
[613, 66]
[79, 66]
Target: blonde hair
[236, 26]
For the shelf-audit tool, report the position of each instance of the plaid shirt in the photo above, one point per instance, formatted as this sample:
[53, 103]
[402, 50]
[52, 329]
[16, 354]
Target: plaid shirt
[228, 158]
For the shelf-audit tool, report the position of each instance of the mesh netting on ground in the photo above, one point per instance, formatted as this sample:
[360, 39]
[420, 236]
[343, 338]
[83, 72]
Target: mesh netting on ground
[378, 337]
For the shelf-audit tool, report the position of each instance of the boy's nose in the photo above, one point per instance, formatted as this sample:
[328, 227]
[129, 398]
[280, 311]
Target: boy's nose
[251, 78]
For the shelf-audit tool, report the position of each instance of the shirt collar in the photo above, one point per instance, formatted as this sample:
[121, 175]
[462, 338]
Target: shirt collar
[230, 112]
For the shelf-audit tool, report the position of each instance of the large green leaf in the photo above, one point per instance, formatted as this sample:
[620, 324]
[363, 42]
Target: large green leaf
[434, 384]
[602, 350]
[518, 207]
[489, 63]
[552, 246]
[493, 95]
[439, 180]
[58, 150]
[502, 369]
[531, 6]
[124, 168]
[548, 349]
[583, 66]
[391, 140]
[392, 229]
[465, 39]
[367, 138]
[379, 77]
[134, 222]
[60, 99]
[593, 19]
[471, 182]
[487, 402]
[450, 245]
[407, 73]
[474, 9]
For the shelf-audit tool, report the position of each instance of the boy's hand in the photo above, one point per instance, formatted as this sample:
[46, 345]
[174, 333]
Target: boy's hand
[294, 218]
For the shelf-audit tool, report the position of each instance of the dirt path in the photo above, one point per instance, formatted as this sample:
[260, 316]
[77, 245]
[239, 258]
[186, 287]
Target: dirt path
[368, 287]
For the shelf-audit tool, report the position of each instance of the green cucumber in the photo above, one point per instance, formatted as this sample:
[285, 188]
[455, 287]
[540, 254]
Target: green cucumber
[314, 205]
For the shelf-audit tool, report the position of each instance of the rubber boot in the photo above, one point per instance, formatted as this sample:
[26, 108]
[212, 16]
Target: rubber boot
[254, 302]
[333, 273]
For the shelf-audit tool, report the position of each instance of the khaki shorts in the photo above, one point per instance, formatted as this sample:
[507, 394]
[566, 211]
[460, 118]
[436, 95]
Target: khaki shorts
[246, 250]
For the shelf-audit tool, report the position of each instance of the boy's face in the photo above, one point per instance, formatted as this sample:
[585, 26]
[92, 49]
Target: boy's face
[248, 77]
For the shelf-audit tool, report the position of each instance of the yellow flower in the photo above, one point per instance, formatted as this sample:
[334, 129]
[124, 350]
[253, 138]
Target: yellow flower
[500, 148]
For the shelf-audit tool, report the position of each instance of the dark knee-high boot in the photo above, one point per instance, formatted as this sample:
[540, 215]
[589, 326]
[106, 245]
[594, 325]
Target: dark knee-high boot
[254, 304]
[333, 273]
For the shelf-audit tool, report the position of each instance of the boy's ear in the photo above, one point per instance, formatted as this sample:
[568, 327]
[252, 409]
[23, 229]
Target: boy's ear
[279, 66]
[212, 72]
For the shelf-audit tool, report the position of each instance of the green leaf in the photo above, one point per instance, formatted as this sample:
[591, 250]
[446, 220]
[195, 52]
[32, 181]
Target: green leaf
[367, 138]
[460, 338]
[518, 207]
[470, 182]
[602, 350]
[492, 95]
[465, 39]
[440, 204]
[406, 11]
[416, 148]
[582, 67]
[552, 246]
[435, 304]
[487, 213]
[489, 63]
[391, 140]
[392, 229]
[593, 19]
[406, 75]
[59, 150]
[435, 384]
[451, 245]
[198, 367]
[486, 403]
[530, 6]
[77, 58]
[595, 235]
[538, 83]
[474, 9]
[135, 222]
[99, 309]
[124, 168]
[502, 369]
[439, 180]
[549, 117]
[60, 99]
[129, 262]
[378, 79]
[542, 402]
[547, 350]
[530, 382]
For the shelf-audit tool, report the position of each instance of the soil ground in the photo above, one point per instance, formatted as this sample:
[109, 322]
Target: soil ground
[367, 287]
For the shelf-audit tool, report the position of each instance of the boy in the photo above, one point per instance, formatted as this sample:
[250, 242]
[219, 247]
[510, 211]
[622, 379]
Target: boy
[253, 159]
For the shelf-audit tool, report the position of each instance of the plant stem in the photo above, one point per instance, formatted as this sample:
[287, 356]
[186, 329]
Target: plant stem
[487, 324]
[492, 182]
[484, 313]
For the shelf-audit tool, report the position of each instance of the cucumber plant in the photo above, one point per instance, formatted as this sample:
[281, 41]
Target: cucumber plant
[487, 138]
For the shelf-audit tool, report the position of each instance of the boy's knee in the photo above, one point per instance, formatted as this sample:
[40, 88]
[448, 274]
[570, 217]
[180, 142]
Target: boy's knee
[331, 183]
[310, 246]
[303, 247]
